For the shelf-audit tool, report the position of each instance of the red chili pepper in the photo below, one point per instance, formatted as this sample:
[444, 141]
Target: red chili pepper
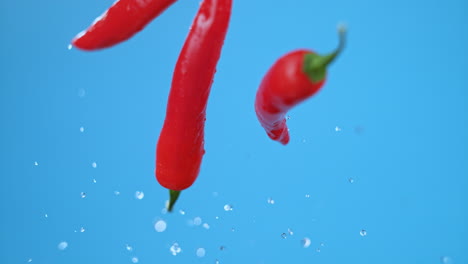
[180, 147]
[119, 23]
[293, 78]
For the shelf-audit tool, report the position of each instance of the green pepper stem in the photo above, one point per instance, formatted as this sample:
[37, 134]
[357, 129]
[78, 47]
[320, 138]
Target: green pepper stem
[315, 65]
[173, 196]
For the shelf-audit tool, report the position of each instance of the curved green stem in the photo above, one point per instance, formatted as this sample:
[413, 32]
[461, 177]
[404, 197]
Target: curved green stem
[173, 196]
[315, 65]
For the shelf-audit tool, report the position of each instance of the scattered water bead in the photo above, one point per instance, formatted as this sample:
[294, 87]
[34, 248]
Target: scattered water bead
[290, 232]
[94, 181]
[322, 244]
[135, 260]
[69, 47]
[116, 193]
[29, 260]
[83, 195]
[139, 195]
[81, 92]
[307, 196]
[216, 217]
[222, 248]
[197, 221]
[82, 229]
[318, 250]
[182, 212]
[305, 242]
[270, 201]
[201, 252]
[233, 229]
[46, 215]
[351, 180]
[363, 232]
[36, 163]
[446, 260]
[283, 235]
[215, 194]
[160, 226]
[175, 249]
[62, 245]
[216, 261]
[228, 207]
[288, 117]
[128, 247]
[94, 165]
[337, 129]
[206, 226]
[81, 129]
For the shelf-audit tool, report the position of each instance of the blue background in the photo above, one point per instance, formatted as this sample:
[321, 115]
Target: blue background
[398, 95]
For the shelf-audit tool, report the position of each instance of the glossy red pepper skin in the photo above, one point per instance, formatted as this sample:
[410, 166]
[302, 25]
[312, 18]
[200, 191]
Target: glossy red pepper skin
[293, 78]
[180, 147]
[120, 22]
[284, 86]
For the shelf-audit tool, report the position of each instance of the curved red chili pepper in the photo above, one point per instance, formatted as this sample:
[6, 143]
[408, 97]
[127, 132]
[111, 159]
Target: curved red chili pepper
[293, 78]
[180, 147]
[119, 23]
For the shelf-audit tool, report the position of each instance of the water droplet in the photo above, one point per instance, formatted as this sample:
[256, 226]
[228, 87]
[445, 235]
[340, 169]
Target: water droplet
[290, 232]
[201, 252]
[94, 165]
[322, 244]
[139, 195]
[197, 221]
[351, 180]
[116, 192]
[305, 242]
[216, 261]
[81, 93]
[128, 247]
[81, 129]
[288, 117]
[94, 181]
[70, 46]
[233, 229]
[46, 215]
[62, 245]
[304, 140]
[228, 207]
[29, 260]
[182, 212]
[175, 249]
[135, 260]
[318, 250]
[283, 235]
[446, 260]
[206, 226]
[222, 248]
[36, 163]
[307, 196]
[270, 201]
[83, 195]
[363, 232]
[160, 226]
[337, 129]
[82, 229]
[215, 194]
[216, 217]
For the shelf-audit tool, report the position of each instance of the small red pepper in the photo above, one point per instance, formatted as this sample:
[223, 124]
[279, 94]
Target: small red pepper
[119, 23]
[180, 146]
[292, 79]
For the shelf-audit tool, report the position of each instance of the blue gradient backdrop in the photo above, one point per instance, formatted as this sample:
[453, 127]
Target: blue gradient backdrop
[397, 96]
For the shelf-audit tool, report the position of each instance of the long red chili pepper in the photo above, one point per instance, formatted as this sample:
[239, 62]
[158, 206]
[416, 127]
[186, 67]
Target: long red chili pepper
[120, 22]
[180, 147]
[293, 78]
